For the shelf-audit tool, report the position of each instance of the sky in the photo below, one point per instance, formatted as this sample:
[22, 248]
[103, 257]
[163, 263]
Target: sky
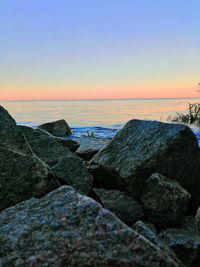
[99, 49]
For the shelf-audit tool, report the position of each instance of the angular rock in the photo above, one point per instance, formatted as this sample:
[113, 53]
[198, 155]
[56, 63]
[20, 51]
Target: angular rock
[124, 207]
[89, 146]
[197, 219]
[68, 229]
[68, 143]
[149, 232]
[144, 147]
[6, 121]
[72, 170]
[44, 146]
[185, 244]
[22, 174]
[164, 200]
[57, 128]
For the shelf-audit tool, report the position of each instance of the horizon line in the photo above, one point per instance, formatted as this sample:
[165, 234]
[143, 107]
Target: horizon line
[98, 99]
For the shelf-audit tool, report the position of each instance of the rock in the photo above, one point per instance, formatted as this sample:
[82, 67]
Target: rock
[6, 121]
[164, 200]
[197, 219]
[189, 223]
[141, 148]
[149, 232]
[72, 170]
[57, 128]
[68, 143]
[185, 244]
[67, 229]
[22, 174]
[89, 146]
[44, 146]
[124, 207]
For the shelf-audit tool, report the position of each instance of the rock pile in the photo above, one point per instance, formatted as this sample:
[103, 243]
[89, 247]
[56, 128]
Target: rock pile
[146, 180]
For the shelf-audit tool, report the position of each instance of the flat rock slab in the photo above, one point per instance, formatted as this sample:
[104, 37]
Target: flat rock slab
[141, 148]
[68, 229]
[22, 174]
[89, 146]
[124, 207]
[164, 200]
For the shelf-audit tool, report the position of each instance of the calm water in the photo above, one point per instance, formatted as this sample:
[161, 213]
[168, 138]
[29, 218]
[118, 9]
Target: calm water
[103, 117]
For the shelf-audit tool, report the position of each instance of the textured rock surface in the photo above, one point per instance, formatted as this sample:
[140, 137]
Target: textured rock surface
[44, 146]
[6, 121]
[197, 218]
[144, 147]
[124, 207]
[72, 170]
[89, 146]
[57, 128]
[185, 244]
[68, 229]
[189, 223]
[149, 232]
[164, 200]
[22, 174]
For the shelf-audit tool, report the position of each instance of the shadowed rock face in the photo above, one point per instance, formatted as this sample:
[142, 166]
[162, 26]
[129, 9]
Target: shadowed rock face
[124, 207]
[145, 147]
[22, 174]
[57, 128]
[68, 229]
[6, 121]
[164, 200]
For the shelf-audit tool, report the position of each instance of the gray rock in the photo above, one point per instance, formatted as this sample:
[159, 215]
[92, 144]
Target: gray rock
[89, 146]
[68, 143]
[197, 219]
[57, 128]
[22, 174]
[44, 146]
[144, 147]
[185, 244]
[68, 229]
[164, 200]
[6, 121]
[72, 170]
[189, 223]
[124, 207]
[149, 232]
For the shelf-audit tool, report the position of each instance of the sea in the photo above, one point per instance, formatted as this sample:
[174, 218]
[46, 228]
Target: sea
[101, 118]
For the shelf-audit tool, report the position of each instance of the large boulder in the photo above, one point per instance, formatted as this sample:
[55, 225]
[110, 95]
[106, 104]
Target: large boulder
[71, 170]
[164, 200]
[6, 121]
[124, 207]
[57, 128]
[22, 174]
[141, 148]
[185, 244]
[44, 146]
[197, 219]
[68, 229]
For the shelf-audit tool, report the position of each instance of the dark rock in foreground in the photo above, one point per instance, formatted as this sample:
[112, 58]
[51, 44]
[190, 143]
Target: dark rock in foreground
[68, 229]
[124, 207]
[145, 147]
[72, 170]
[22, 174]
[57, 128]
[185, 244]
[6, 121]
[164, 200]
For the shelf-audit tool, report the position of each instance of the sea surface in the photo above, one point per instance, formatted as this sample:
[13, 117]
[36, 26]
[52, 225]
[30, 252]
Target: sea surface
[102, 118]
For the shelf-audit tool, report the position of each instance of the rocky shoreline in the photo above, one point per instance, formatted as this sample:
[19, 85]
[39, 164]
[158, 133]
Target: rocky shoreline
[130, 201]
